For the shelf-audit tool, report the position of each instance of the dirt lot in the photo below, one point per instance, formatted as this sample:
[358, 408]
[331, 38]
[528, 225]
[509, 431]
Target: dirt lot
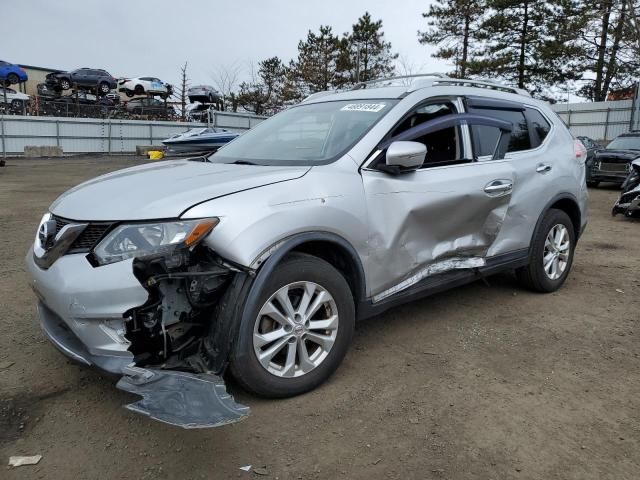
[480, 382]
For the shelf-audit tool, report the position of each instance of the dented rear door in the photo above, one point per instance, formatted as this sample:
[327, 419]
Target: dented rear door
[432, 220]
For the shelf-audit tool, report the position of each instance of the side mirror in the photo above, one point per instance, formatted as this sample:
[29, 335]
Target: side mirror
[405, 156]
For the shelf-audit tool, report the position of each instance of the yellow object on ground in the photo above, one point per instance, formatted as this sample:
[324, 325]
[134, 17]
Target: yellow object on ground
[155, 155]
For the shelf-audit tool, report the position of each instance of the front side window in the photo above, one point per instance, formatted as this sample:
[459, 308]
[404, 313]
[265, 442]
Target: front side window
[312, 134]
[485, 139]
[444, 147]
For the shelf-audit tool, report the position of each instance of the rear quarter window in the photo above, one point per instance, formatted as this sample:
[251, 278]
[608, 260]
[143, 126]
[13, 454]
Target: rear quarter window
[539, 124]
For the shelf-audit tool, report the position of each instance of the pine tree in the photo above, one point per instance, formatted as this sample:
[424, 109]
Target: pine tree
[365, 53]
[453, 26]
[263, 95]
[318, 55]
[609, 41]
[532, 43]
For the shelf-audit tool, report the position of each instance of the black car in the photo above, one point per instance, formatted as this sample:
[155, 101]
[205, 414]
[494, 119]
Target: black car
[149, 106]
[613, 163]
[83, 78]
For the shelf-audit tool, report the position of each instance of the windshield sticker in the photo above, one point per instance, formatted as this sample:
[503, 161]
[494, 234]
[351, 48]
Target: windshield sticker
[363, 107]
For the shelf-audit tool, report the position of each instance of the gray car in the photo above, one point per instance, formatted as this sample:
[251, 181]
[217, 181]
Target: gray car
[258, 260]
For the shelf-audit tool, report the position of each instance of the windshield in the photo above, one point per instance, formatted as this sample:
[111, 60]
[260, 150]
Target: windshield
[625, 143]
[313, 134]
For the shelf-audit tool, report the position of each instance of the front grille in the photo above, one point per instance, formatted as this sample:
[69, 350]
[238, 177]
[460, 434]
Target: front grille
[614, 167]
[90, 236]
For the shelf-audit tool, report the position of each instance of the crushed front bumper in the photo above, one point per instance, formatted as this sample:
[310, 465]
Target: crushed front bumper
[81, 313]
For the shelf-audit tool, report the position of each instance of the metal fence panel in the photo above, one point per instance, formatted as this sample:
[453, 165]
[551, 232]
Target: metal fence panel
[598, 120]
[88, 135]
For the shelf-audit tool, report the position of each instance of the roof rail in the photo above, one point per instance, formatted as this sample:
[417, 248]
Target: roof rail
[424, 80]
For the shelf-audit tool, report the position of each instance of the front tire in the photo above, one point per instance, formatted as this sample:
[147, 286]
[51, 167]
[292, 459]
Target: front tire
[300, 331]
[12, 79]
[551, 253]
[65, 84]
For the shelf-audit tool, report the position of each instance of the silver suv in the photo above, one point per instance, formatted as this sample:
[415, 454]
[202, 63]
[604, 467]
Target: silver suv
[259, 259]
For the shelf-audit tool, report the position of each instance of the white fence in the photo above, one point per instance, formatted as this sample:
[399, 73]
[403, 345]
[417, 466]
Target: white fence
[95, 135]
[600, 120]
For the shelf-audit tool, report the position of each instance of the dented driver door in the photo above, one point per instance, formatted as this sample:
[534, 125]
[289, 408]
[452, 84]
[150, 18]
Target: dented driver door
[432, 220]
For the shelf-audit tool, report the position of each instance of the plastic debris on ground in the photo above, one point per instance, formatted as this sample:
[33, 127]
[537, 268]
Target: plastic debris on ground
[19, 461]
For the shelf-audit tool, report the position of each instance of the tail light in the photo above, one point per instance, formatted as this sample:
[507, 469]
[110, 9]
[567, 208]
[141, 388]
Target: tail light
[580, 151]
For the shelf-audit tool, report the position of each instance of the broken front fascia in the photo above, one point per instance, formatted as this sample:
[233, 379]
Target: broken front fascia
[180, 339]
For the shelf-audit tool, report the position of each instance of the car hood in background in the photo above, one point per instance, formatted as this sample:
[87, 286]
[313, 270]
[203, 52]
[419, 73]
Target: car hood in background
[163, 190]
[617, 156]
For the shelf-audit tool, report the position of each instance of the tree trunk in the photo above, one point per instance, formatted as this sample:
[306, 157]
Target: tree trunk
[523, 45]
[602, 50]
[612, 64]
[465, 46]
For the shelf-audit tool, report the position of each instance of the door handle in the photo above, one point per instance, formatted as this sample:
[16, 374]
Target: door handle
[498, 188]
[543, 168]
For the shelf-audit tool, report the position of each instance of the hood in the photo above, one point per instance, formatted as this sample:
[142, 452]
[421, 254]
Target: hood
[617, 156]
[164, 189]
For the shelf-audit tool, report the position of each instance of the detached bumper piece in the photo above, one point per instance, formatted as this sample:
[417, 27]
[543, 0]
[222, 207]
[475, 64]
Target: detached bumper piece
[182, 399]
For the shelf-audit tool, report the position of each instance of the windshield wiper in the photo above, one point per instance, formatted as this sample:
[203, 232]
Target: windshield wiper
[242, 162]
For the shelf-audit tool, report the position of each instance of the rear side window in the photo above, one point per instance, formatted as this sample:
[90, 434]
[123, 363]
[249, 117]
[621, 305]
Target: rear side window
[485, 139]
[539, 124]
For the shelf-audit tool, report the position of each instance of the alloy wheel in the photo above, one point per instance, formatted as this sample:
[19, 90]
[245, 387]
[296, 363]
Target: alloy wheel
[295, 329]
[557, 248]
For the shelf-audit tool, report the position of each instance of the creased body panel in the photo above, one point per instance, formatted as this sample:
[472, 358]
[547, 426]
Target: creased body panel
[430, 216]
[327, 199]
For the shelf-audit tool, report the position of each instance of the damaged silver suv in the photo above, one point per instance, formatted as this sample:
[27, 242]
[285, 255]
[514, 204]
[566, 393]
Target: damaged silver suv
[259, 259]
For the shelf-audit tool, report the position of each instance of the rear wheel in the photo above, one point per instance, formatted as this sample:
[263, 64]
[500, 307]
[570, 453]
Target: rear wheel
[139, 90]
[300, 332]
[551, 254]
[104, 88]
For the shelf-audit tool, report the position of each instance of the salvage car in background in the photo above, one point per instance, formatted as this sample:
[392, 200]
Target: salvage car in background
[613, 163]
[261, 257]
[203, 94]
[149, 106]
[10, 73]
[17, 100]
[629, 202]
[592, 148]
[85, 78]
[143, 86]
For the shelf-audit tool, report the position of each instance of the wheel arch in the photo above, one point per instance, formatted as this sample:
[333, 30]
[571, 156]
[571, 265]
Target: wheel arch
[331, 248]
[567, 203]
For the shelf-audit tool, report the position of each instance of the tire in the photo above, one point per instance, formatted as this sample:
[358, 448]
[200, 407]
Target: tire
[296, 273]
[129, 93]
[139, 90]
[65, 84]
[16, 105]
[592, 183]
[535, 276]
[104, 88]
[12, 79]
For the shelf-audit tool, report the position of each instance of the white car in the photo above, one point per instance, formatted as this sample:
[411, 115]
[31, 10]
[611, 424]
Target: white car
[16, 99]
[144, 85]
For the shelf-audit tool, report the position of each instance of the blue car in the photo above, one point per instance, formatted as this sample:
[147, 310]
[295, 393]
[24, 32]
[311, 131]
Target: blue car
[10, 73]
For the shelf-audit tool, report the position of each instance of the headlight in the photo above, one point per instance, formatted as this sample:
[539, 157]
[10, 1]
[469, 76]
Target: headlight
[143, 239]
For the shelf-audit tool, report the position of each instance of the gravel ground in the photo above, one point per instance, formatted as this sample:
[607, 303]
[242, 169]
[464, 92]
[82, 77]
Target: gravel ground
[479, 382]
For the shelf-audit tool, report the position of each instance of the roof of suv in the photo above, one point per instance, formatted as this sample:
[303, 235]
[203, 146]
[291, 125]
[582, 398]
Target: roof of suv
[398, 87]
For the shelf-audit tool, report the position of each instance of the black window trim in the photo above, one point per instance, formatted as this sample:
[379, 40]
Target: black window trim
[471, 101]
[371, 159]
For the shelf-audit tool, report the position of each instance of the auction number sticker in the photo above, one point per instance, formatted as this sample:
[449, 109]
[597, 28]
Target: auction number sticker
[363, 107]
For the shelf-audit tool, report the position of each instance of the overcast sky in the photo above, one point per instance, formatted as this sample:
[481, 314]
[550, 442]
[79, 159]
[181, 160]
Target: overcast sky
[153, 38]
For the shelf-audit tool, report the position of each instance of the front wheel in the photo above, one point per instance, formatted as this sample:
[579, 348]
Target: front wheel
[12, 79]
[65, 84]
[104, 88]
[551, 253]
[300, 331]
